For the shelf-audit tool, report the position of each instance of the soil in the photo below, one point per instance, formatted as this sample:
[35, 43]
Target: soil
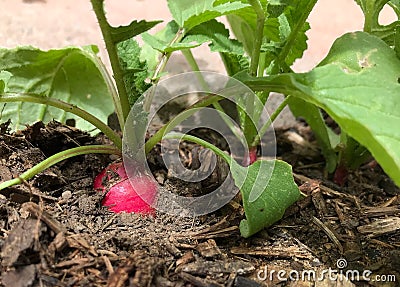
[54, 231]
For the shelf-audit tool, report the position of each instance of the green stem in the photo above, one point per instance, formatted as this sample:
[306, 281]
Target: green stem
[113, 92]
[292, 37]
[201, 142]
[271, 119]
[369, 16]
[195, 67]
[56, 158]
[160, 67]
[151, 142]
[256, 4]
[98, 7]
[261, 64]
[112, 135]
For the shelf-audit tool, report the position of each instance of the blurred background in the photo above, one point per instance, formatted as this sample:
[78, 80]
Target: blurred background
[56, 23]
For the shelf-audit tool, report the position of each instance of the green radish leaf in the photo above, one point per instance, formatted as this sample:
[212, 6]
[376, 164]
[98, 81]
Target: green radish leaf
[293, 28]
[122, 33]
[285, 30]
[357, 84]
[151, 50]
[135, 71]
[73, 75]
[165, 46]
[267, 189]
[243, 25]
[235, 63]
[188, 13]
[4, 78]
[214, 32]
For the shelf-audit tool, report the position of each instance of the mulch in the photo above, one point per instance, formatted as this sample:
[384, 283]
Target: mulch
[54, 231]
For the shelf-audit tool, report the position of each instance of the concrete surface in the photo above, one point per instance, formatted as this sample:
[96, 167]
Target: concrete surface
[56, 23]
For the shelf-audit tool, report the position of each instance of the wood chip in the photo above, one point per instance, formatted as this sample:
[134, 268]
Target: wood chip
[108, 264]
[20, 238]
[278, 252]
[381, 211]
[172, 249]
[79, 242]
[380, 227]
[199, 282]
[329, 232]
[58, 244]
[186, 258]
[38, 212]
[208, 249]
[68, 263]
[203, 268]
[319, 202]
[20, 277]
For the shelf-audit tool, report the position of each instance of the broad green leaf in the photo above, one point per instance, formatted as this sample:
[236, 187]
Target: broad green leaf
[357, 84]
[4, 78]
[267, 189]
[188, 13]
[72, 75]
[135, 71]
[122, 33]
[242, 29]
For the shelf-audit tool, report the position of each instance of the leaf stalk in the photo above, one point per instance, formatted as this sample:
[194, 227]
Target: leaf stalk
[106, 29]
[111, 134]
[56, 158]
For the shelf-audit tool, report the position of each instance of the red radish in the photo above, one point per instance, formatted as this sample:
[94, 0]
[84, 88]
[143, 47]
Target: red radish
[251, 157]
[123, 196]
[340, 176]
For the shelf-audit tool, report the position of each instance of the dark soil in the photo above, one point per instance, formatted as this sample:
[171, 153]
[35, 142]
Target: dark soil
[54, 231]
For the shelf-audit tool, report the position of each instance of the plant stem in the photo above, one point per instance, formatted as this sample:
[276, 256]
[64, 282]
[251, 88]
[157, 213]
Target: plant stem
[369, 16]
[98, 7]
[160, 67]
[56, 158]
[195, 67]
[201, 142]
[271, 119]
[112, 135]
[113, 92]
[151, 142]
[256, 4]
[292, 37]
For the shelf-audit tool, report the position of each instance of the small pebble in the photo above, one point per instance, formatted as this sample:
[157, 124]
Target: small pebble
[66, 195]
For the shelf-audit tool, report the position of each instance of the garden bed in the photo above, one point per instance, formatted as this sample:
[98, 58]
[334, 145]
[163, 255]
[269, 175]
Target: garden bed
[56, 233]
